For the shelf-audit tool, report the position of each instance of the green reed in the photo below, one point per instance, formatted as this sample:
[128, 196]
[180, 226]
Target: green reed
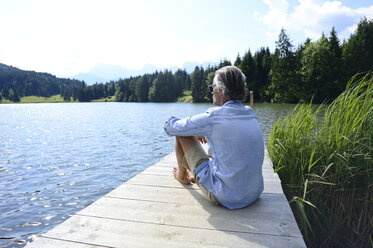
[324, 157]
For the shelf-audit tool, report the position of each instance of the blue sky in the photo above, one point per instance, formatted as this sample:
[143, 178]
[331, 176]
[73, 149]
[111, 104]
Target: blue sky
[71, 36]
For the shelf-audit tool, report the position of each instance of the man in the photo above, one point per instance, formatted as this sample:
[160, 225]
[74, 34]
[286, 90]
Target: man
[232, 175]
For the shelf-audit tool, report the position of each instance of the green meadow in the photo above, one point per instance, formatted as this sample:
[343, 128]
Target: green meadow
[53, 99]
[37, 99]
[187, 96]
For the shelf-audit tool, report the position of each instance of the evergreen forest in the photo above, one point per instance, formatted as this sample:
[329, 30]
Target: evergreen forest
[314, 70]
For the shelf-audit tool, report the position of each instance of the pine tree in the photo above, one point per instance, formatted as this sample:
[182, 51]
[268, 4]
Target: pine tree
[284, 76]
[317, 63]
[156, 92]
[119, 91]
[181, 81]
[13, 96]
[199, 86]
[75, 93]
[223, 63]
[5, 92]
[357, 53]
[247, 67]
[238, 61]
[82, 97]
[335, 65]
[267, 63]
[142, 89]
[209, 80]
[111, 89]
[260, 81]
[66, 95]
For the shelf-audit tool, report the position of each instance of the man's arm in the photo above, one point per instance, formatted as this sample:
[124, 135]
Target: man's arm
[192, 126]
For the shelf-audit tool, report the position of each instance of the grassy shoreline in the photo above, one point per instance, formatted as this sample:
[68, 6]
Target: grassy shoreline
[324, 158]
[186, 98]
[51, 99]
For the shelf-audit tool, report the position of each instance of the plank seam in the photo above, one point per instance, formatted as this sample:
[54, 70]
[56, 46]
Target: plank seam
[155, 174]
[189, 227]
[135, 199]
[78, 242]
[163, 186]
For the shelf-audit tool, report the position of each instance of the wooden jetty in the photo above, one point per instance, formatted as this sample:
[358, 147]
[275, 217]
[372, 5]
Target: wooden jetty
[154, 210]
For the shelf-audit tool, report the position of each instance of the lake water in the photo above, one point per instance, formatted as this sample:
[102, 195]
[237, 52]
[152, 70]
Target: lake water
[56, 159]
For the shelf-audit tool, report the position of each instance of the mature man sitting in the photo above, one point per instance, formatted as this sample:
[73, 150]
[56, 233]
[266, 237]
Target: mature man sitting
[231, 175]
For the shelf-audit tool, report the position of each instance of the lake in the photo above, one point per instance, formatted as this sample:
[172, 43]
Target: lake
[56, 159]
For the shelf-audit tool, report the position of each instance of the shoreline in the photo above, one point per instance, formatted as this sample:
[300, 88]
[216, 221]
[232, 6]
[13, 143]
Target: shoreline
[59, 99]
[51, 99]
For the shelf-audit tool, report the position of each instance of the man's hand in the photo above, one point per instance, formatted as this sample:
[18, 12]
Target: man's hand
[202, 139]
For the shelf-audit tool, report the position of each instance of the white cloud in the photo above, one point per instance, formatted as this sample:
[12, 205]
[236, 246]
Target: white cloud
[312, 17]
[277, 16]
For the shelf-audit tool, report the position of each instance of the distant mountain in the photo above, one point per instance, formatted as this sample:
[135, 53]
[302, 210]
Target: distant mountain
[102, 73]
[190, 66]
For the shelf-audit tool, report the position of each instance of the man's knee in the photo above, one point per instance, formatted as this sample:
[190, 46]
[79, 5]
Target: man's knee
[187, 142]
[186, 138]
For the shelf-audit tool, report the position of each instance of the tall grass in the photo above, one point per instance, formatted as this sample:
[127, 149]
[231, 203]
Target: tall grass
[324, 157]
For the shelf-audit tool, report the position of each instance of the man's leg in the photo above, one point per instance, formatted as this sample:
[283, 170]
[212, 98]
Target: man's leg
[182, 145]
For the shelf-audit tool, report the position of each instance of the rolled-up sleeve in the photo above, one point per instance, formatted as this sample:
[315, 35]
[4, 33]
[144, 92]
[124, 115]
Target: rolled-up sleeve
[191, 126]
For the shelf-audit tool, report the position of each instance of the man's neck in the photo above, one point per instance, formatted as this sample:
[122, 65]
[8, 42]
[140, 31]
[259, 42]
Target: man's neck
[224, 99]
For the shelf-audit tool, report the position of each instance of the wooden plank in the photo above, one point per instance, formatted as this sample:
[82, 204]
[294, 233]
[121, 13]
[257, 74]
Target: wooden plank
[118, 233]
[61, 243]
[256, 219]
[180, 195]
[271, 185]
[159, 180]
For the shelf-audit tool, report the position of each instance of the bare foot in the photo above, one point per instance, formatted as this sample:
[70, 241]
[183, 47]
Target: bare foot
[190, 176]
[182, 177]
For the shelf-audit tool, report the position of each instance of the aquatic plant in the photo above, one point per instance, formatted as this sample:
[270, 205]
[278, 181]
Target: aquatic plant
[324, 157]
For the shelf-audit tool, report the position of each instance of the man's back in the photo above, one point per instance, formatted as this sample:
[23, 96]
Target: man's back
[236, 146]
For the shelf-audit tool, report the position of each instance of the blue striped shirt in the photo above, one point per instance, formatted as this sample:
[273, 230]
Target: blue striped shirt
[233, 174]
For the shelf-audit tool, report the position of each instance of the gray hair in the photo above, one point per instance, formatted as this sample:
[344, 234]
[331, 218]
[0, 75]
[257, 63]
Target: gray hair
[231, 81]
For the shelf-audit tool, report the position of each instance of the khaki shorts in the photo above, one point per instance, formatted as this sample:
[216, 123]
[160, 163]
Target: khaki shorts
[192, 159]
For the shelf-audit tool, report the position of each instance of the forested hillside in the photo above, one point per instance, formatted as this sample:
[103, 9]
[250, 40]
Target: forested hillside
[16, 83]
[317, 70]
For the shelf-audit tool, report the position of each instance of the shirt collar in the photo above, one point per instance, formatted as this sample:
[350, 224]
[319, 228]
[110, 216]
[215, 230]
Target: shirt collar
[232, 102]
